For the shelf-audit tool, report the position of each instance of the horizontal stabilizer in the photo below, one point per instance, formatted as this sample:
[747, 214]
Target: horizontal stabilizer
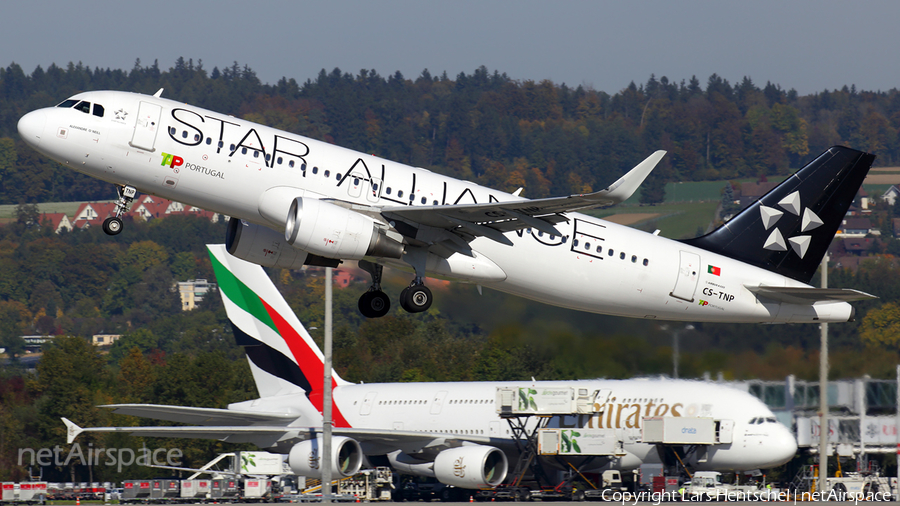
[203, 416]
[72, 430]
[808, 295]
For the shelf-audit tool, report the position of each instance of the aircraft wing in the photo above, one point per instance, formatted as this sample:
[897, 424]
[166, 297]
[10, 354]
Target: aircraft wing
[373, 441]
[203, 416]
[808, 295]
[492, 218]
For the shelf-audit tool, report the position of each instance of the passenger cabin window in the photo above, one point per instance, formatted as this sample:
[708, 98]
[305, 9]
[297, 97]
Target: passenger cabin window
[98, 110]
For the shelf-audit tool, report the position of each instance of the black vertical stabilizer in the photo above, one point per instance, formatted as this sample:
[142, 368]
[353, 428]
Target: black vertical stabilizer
[789, 229]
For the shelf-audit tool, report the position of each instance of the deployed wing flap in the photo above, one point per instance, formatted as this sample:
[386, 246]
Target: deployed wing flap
[202, 416]
[541, 214]
[808, 295]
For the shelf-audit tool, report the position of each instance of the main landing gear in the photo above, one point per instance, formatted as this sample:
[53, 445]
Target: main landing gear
[415, 298]
[113, 225]
[374, 303]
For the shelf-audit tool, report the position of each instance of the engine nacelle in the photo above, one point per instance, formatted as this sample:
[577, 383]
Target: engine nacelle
[471, 466]
[332, 231]
[262, 246]
[305, 458]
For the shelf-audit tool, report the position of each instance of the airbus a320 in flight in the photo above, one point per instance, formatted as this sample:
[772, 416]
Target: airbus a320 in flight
[295, 201]
[437, 429]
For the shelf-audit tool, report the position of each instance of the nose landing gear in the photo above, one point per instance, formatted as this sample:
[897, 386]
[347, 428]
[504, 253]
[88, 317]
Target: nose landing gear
[113, 225]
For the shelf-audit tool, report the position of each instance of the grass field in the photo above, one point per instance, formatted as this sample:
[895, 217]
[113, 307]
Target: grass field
[675, 221]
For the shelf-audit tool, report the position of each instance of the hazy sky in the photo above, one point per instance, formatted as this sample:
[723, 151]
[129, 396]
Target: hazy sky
[806, 45]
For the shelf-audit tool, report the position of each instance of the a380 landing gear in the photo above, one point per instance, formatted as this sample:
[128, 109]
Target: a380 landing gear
[374, 303]
[113, 225]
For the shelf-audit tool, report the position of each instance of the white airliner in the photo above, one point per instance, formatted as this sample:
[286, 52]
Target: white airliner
[431, 429]
[295, 201]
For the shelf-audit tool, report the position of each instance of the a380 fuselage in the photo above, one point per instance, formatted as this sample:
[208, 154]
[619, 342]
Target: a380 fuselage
[238, 168]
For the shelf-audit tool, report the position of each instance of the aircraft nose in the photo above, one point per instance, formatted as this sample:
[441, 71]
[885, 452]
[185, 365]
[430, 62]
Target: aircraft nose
[785, 446]
[31, 127]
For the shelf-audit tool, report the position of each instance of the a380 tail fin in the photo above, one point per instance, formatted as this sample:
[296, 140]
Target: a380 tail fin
[789, 229]
[283, 357]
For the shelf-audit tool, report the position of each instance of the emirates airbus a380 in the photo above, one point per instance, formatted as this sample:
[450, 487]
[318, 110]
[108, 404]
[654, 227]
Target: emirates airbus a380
[295, 201]
[452, 431]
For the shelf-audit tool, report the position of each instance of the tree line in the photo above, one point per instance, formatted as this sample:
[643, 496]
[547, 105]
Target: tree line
[551, 139]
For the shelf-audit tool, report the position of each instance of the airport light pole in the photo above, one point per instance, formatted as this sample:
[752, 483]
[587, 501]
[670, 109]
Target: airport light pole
[675, 351]
[823, 393]
[326, 398]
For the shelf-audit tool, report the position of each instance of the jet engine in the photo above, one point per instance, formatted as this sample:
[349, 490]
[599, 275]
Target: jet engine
[305, 458]
[332, 231]
[262, 246]
[471, 467]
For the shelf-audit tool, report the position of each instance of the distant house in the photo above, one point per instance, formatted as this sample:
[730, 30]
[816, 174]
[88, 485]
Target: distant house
[857, 245]
[104, 339]
[856, 227]
[192, 292]
[891, 195]
[751, 192]
[144, 208]
[57, 221]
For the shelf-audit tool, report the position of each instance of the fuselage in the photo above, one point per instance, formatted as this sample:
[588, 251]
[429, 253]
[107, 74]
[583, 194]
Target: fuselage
[469, 409]
[242, 169]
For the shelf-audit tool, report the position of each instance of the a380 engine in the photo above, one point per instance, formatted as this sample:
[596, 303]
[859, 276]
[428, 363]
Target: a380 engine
[332, 231]
[474, 466]
[305, 458]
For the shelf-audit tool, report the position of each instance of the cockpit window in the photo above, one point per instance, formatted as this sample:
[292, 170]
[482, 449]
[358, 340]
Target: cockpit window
[84, 107]
[98, 110]
[65, 104]
[753, 422]
[771, 420]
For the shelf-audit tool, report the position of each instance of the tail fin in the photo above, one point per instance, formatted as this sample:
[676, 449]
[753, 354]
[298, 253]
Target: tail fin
[789, 229]
[283, 357]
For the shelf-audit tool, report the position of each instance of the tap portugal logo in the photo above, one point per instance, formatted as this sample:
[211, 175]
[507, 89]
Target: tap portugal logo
[172, 161]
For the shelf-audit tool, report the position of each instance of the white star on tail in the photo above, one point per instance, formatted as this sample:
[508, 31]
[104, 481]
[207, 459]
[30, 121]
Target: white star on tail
[810, 221]
[770, 215]
[775, 242]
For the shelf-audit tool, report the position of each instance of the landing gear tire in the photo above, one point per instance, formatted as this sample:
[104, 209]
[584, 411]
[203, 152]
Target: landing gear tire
[112, 225]
[416, 298]
[374, 304]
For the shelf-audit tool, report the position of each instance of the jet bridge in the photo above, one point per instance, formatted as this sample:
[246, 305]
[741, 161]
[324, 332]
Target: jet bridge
[529, 410]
